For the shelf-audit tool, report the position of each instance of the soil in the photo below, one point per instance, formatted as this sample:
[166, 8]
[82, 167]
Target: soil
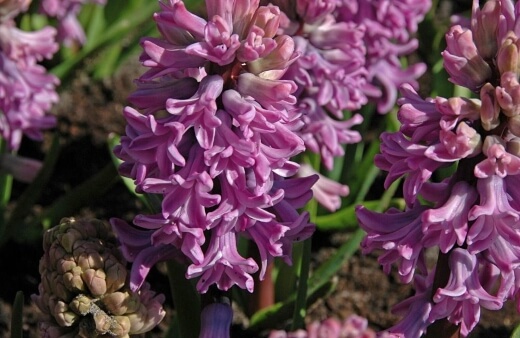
[88, 112]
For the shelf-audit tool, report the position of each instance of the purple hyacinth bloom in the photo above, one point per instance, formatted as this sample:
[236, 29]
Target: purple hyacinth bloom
[66, 11]
[27, 91]
[216, 129]
[473, 216]
[215, 321]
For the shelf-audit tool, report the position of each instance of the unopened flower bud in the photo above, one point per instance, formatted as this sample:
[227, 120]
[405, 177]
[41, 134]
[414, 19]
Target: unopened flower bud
[514, 125]
[81, 305]
[268, 19]
[485, 26]
[490, 110]
[216, 321]
[462, 60]
[507, 57]
[508, 94]
[513, 146]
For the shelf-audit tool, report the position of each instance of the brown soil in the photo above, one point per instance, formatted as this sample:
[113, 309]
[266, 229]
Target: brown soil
[88, 112]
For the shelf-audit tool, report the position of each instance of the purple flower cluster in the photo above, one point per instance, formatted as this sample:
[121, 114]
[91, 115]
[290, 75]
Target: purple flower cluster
[214, 136]
[352, 327]
[349, 55]
[388, 26]
[66, 11]
[27, 91]
[473, 216]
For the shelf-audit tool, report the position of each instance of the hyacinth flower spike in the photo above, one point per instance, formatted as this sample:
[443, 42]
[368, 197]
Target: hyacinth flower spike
[472, 217]
[213, 136]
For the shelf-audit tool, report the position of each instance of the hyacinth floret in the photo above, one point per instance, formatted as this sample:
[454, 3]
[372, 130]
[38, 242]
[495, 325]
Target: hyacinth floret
[27, 91]
[472, 216]
[214, 136]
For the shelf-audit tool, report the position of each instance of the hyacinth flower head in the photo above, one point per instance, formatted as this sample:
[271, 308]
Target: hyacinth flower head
[27, 91]
[473, 216]
[214, 137]
[70, 30]
[84, 289]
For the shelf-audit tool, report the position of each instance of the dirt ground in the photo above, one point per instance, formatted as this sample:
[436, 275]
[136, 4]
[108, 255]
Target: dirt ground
[88, 112]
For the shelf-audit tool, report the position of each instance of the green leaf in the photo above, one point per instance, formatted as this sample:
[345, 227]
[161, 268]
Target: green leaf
[516, 332]
[363, 174]
[116, 31]
[186, 300]
[17, 316]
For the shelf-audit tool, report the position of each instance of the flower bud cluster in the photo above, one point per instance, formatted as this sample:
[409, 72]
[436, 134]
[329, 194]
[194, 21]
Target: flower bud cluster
[473, 216]
[84, 290]
[214, 137]
[27, 91]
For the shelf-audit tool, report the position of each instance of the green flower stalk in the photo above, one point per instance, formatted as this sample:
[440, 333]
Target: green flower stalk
[84, 290]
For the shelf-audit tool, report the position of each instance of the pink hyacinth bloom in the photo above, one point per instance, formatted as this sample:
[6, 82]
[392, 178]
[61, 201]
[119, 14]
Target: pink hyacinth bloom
[69, 28]
[472, 217]
[352, 327]
[214, 137]
[27, 92]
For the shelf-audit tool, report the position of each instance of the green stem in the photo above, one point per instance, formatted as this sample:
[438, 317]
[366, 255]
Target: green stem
[300, 306]
[6, 183]
[186, 301]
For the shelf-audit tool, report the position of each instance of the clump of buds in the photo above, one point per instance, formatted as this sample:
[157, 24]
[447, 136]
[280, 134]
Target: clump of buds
[84, 290]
